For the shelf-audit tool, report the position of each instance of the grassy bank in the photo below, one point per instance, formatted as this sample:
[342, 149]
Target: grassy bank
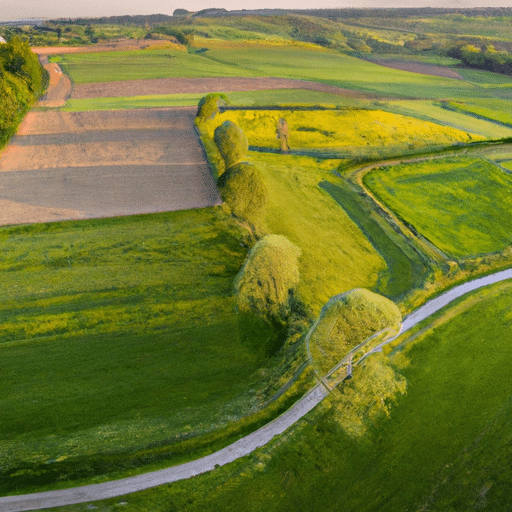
[129, 342]
[459, 204]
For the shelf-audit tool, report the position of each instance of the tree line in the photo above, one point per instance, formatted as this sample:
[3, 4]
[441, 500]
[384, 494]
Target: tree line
[22, 81]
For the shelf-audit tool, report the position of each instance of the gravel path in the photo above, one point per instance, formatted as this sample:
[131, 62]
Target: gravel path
[240, 448]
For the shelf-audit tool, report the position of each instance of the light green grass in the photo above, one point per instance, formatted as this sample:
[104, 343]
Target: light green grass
[131, 102]
[143, 64]
[461, 205]
[446, 444]
[336, 256]
[340, 70]
[120, 336]
[495, 109]
[434, 111]
[405, 268]
[249, 98]
[250, 59]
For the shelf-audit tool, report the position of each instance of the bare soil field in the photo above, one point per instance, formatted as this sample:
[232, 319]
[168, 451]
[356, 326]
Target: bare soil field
[122, 45]
[72, 165]
[201, 85]
[418, 67]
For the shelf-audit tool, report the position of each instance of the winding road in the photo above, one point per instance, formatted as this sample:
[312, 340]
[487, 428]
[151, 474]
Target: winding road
[240, 448]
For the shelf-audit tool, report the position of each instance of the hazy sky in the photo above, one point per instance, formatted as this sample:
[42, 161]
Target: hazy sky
[21, 9]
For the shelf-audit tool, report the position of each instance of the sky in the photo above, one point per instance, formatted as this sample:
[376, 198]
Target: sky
[23, 9]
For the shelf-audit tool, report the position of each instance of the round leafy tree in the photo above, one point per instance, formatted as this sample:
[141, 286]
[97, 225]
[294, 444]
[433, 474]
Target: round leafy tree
[209, 105]
[232, 142]
[347, 320]
[268, 277]
[242, 188]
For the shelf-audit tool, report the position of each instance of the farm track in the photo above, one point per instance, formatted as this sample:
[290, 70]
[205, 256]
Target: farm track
[240, 448]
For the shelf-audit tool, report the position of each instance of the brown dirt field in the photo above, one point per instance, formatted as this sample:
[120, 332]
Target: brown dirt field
[122, 45]
[74, 165]
[201, 85]
[418, 67]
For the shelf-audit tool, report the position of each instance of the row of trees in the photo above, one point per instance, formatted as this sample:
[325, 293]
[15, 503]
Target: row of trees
[22, 81]
[483, 58]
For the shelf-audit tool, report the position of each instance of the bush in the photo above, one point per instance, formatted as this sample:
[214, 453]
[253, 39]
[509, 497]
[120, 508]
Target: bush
[232, 143]
[242, 188]
[268, 277]
[209, 105]
[347, 320]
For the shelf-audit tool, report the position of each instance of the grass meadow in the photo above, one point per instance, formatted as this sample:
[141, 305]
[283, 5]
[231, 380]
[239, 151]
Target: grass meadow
[460, 204]
[143, 64]
[333, 246]
[129, 343]
[416, 455]
[435, 111]
[237, 98]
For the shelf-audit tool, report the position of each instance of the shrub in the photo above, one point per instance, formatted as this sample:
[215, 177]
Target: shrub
[347, 320]
[268, 277]
[232, 142]
[209, 105]
[242, 188]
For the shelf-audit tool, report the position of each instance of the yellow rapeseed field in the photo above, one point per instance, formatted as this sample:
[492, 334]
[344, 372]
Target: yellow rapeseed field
[339, 128]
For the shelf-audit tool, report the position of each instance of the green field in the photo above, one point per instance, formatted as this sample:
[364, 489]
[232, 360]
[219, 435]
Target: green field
[143, 64]
[128, 337]
[436, 111]
[332, 245]
[121, 348]
[250, 59]
[445, 444]
[495, 109]
[461, 205]
[244, 98]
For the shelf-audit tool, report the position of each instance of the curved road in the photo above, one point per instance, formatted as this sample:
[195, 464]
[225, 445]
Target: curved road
[240, 448]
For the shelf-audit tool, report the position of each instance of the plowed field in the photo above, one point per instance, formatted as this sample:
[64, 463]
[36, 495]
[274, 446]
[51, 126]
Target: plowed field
[70, 165]
[202, 85]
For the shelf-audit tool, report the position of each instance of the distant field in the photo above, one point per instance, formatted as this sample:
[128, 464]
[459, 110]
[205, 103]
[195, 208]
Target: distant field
[422, 455]
[341, 70]
[346, 130]
[142, 64]
[434, 111]
[255, 59]
[461, 205]
[498, 110]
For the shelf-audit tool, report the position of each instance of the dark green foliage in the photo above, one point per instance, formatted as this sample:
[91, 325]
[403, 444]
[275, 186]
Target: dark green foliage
[22, 80]
[243, 189]
[209, 105]
[232, 143]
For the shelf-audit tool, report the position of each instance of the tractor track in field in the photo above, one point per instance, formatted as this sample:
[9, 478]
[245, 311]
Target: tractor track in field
[240, 448]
